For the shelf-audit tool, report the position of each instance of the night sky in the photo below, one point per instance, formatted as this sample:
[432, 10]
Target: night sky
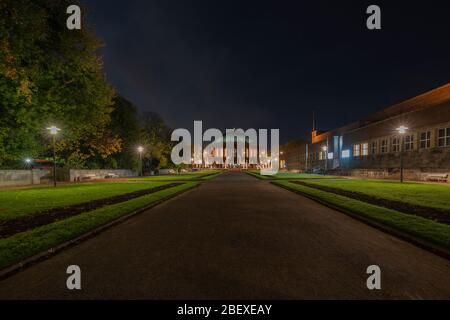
[268, 64]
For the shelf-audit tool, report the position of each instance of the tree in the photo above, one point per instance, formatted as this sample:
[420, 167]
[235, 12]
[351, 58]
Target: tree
[125, 125]
[51, 75]
[155, 136]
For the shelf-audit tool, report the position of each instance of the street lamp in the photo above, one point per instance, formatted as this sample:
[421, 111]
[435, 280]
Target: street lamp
[140, 149]
[325, 149]
[53, 131]
[402, 130]
[28, 166]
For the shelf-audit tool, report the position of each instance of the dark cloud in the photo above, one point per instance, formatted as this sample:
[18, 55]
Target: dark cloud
[268, 64]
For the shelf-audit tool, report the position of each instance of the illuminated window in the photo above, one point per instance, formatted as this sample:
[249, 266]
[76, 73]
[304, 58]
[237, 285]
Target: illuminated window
[365, 149]
[356, 150]
[395, 144]
[444, 137]
[345, 153]
[373, 147]
[425, 139]
[409, 142]
[384, 146]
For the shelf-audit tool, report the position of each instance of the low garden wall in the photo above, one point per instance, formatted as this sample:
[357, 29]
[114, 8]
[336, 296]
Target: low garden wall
[409, 174]
[22, 177]
[11, 178]
[95, 174]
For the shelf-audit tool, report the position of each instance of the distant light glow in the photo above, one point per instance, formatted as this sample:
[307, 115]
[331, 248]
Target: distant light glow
[345, 153]
[53, 130]
[28, 160]
[402, 129]
[324, 148]
[140, 149]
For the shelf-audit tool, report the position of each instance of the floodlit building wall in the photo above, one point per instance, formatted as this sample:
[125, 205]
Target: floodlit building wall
[371, 147]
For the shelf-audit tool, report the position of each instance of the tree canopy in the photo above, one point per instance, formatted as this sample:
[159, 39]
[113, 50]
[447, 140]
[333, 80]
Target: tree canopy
[51, 75]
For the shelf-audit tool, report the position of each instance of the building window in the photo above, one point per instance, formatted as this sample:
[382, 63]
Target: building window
[373, 149]
[365, 149]
[425, 139]
[409, 142]
[345, 153]
[384, 146]
[444, 137]
[356, 150]
[395, 144]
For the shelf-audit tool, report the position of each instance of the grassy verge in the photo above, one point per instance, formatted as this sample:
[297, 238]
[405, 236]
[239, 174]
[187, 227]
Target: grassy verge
[435, 196]
[26, 244]
[16, 203]
[212, 176]
[200, 175]
[422, 229]
[289, 175]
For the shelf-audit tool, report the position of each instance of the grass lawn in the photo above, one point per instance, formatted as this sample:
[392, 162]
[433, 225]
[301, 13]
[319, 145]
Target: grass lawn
[196, 175]
[433, 232]
[15, 203]
[423, 194]
[289, 175]
[22, 245]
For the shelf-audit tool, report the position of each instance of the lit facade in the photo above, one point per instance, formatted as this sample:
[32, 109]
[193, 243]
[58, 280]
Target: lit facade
[371, 147]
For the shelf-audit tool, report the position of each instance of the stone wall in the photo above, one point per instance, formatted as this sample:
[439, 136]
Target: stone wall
[80, 175]
[9, 178]
[392, 174]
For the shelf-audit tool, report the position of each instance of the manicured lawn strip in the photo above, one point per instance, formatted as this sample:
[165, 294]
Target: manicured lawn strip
[11, 227]
[421, 194]
[289, 175]
[26, 244]
[212, 176]
[425, 229]
[15, 203]
[257, 175]
[201, 175]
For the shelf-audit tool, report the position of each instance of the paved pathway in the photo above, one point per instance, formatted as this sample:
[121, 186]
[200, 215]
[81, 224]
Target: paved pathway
[237, 237]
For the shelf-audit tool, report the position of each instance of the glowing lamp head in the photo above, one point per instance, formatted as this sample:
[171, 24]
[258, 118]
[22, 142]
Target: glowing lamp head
[53, 130]
[140, 149]
[324, 148]
[28, 160]
[402, 129]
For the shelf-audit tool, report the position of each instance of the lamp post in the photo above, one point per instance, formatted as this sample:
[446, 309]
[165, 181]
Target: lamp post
[53, 131]
[28, 165]
[140, 149]
[281, 159]
[402, 130]
[325, 149]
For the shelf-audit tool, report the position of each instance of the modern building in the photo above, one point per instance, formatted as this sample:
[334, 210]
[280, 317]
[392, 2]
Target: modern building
[292, 155]
[372, 147]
